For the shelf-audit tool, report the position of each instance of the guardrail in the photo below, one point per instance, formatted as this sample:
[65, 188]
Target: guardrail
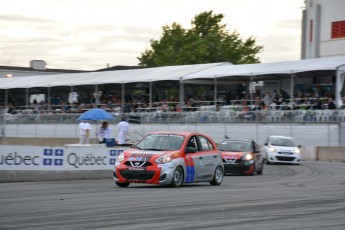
[212, 116]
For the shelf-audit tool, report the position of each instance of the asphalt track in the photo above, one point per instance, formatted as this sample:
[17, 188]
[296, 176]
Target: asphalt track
[309, 196]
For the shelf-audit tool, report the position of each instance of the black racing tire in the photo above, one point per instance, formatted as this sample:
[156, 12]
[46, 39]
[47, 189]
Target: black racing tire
[178, 177]
[122, 185]
[218, 176]
[259, 172]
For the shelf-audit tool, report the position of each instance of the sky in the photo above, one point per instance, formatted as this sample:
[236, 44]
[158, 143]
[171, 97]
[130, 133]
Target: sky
[94, 34]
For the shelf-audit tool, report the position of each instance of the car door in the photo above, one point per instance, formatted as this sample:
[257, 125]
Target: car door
[195, 161]
[209, 158]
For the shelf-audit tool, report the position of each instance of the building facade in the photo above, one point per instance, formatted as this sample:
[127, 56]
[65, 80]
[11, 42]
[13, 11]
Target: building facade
[323, 28]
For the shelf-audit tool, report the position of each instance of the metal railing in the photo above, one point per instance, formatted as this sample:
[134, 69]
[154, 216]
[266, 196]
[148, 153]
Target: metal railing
[210, 116]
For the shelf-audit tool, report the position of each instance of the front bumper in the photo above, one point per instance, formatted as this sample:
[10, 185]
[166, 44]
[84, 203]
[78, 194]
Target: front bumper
[275, 157]
[245, 167]
[155, 174]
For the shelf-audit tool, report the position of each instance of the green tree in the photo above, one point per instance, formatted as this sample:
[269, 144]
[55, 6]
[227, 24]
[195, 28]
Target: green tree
[207, 41]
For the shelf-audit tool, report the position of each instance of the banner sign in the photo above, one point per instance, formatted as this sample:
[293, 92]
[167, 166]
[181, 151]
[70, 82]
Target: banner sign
[57, 158]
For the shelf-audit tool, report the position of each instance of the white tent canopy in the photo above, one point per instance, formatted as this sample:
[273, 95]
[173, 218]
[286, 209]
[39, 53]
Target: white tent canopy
[184, 72]
[287, 67]
[188, 72]
[106, 77]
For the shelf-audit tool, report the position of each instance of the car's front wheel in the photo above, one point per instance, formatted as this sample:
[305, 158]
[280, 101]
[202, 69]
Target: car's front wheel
[177, 177]
[123, 185]
[218, 176]
[259, 172]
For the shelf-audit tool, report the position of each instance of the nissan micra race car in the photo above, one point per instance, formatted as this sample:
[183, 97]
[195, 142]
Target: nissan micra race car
[281, 149]
[170, 158]
[241, 156]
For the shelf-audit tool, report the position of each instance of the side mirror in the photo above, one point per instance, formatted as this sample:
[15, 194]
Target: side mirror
[256, 150]
[190, 150]
[265, 144]
[299, 146]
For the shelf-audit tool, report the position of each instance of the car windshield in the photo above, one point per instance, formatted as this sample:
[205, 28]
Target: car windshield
[281, 141]
[235, 146]
[161, 142]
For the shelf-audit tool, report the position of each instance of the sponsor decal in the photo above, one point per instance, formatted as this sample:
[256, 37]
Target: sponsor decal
[52, 157]
[18, 159]
[190, 169]
[59, 158]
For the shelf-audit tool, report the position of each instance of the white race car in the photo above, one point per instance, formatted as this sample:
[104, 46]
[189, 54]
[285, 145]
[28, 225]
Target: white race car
[281, 149]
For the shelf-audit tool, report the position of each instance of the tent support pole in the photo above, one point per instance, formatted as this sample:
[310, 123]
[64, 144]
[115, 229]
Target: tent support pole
[215, 91]
[96, 96]
[292, 90]
[122, 97]
[251, 89]
[27, 98]
[48, 98]
[181, 92]
[150, 93]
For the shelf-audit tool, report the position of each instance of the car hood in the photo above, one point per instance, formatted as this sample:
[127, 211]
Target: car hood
[232, 155]
[144, 155]
[284, 148]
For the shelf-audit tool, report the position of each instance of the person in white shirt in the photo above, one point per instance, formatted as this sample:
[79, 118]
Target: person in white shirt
[122, 128]
[103, 133]
[84, 128]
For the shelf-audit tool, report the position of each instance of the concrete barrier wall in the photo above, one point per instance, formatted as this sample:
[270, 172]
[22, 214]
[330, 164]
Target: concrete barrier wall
[69, 162]
[41, 141]
[330, 154]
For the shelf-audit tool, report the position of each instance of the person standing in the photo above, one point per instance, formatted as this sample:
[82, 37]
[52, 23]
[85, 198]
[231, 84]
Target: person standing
[103, 133]
[84, 128]
[122, 128]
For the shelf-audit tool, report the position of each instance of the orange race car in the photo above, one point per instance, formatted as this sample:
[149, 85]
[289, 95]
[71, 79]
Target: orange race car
[241, 156]
[170, 158]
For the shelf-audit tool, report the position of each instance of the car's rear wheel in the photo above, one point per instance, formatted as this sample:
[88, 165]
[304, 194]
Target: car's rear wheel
[123, 185]
[218, 176]
[177, 177]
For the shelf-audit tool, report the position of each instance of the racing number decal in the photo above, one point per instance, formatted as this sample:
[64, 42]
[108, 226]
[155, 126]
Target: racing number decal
[190, 169]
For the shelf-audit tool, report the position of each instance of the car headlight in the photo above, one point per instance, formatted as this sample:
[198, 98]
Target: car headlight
[271, 149]
[120, 157]
[297, 151]
[163, 159]
[248, 157]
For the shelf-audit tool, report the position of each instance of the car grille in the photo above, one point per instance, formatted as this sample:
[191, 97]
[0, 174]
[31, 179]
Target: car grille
[137, 174]
[285, 153]
[280, 158]
[232, 161]
[133, 163]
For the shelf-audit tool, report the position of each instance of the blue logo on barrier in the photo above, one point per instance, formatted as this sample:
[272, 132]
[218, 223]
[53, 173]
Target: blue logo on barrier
[54, 159]
[48, 152]
[112, 153]
[58, 152]
[58, 162]
[112, 161]
[47, 161]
